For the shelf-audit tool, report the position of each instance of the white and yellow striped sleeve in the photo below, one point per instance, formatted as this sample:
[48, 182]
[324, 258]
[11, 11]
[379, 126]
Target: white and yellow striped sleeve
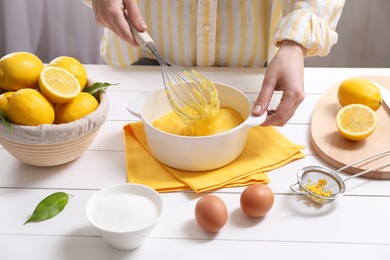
[310, 23]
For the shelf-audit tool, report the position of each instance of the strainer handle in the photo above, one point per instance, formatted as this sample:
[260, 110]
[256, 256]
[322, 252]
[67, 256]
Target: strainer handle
[367, 171]
[378, 155]
[292, 187]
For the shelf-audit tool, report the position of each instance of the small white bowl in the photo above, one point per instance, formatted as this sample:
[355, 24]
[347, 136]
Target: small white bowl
[125, 214]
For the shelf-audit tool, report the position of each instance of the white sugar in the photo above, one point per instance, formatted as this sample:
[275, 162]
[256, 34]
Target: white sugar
[124, 212]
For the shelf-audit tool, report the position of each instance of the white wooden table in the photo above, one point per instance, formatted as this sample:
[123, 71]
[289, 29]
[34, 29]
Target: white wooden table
[356, 226]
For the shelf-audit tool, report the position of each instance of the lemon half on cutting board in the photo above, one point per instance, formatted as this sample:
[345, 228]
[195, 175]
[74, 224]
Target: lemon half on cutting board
[356, 121]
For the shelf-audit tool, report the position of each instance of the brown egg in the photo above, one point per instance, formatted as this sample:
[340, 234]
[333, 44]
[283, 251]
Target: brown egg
[211, 213]
[257, 200]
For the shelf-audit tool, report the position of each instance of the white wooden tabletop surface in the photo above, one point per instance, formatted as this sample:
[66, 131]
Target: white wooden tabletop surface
[356, 226]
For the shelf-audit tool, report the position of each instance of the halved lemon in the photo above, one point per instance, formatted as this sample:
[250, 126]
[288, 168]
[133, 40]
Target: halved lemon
[58, 85]
[73, 66]
[356, 122]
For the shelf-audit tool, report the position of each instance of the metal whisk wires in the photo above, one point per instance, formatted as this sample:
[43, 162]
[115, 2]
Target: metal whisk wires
[191, 95]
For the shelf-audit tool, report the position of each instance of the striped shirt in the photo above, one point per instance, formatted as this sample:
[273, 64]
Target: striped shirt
[234, 33]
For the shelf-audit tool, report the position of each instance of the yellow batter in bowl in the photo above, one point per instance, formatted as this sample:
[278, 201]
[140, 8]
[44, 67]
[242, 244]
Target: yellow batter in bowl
[225, 119]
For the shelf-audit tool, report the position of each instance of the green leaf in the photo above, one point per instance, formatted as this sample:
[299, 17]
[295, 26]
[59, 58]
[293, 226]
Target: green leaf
[95, 88]
[4, 120]
[49, 207]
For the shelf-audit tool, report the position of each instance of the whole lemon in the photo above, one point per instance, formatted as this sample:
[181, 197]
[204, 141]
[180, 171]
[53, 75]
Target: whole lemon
[29, 107]
[19, 70]
[73, 66]
[83, 104]
[4, 100]
[359, 91]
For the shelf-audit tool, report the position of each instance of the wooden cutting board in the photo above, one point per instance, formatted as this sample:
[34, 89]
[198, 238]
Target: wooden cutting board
[336, 150]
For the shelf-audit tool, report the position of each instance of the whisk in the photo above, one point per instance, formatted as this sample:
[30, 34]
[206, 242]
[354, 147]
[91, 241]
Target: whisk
[191, 95]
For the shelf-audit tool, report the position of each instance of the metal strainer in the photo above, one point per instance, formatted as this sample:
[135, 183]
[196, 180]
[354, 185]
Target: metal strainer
[334, 183]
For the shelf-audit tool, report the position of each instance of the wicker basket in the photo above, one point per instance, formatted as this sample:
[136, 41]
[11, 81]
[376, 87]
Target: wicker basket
[50, 145]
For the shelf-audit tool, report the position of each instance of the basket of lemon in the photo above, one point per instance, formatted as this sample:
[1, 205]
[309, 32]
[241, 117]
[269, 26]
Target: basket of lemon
[49, 114]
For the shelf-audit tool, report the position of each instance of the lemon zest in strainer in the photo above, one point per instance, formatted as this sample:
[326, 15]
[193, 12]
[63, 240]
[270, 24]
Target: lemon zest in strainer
[318, 188]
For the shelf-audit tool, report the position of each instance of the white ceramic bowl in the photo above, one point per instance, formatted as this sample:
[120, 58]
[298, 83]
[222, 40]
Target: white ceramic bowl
[121, 216]
[50, 145]
[195, 153]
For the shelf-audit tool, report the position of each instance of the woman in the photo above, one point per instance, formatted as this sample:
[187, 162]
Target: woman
[252, 33]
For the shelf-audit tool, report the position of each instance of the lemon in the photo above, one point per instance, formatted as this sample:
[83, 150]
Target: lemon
[29, 107]
[19, 70]
[359, 91]
[83, 104]
[4, 100]
[73, 66]
[58, 85]
[356, 122]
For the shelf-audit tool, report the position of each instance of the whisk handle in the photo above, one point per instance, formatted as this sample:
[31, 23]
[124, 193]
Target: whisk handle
[143, 38]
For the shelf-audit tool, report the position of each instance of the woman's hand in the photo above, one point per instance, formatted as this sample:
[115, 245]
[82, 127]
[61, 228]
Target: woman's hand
[112, 14]
[284, 73]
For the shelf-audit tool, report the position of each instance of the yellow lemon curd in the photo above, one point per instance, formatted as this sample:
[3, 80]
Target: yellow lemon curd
[200, 95]
[318, 188]
[225, 119]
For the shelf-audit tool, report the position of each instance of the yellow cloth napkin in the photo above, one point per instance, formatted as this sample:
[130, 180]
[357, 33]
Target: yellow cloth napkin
[266, 149]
